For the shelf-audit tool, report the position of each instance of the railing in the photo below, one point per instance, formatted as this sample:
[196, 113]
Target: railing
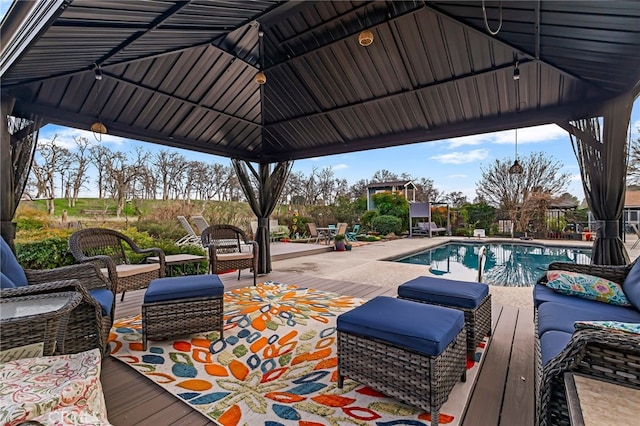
[482, 259]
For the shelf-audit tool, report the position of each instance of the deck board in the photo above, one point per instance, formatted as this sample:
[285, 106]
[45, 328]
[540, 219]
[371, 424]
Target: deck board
[499, 398]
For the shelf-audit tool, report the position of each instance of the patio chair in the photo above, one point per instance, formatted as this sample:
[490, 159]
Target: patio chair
[351, 236]
[191, 237]
[108, 249]
[200, 222]
[224, 244]
[635, 229]
[313, 231]
[341, 229]
[87, 326]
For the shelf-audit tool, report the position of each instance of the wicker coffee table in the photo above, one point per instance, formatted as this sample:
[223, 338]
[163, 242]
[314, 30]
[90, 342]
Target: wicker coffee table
[35, 319]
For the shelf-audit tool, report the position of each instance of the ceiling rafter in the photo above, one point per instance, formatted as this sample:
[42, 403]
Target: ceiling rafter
[346, 36]
[177, 98]
[152, 26]
[375, 99]
[472, 127]
[518, 49]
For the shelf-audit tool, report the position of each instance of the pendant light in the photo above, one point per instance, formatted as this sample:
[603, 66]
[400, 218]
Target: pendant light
[516, 168]
[98, 128]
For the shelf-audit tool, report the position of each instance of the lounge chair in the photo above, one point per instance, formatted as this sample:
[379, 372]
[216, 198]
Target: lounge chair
[200, 222]
[352, 236]
[191, 237]
[108, 249]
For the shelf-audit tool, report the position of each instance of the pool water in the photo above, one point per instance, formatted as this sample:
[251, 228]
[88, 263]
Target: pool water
[507, 264]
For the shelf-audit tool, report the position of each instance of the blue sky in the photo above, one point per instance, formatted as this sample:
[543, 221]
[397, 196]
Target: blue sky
[452, 164]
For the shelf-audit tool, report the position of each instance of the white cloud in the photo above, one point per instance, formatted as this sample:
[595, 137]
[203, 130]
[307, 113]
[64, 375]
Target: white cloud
[536, 134]
[65, 137]
[462, 157]
[339, 167]
[457, 176]
[576, 178]
[635, 130]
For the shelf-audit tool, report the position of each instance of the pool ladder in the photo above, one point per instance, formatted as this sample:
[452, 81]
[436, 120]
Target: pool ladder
[482, 259]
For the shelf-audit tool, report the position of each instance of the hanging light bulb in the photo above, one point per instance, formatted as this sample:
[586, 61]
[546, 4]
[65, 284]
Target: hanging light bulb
[516, 72]
[516, 168]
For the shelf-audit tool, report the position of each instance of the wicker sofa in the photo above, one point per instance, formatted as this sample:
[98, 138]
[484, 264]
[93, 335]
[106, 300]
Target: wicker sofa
[560, 348]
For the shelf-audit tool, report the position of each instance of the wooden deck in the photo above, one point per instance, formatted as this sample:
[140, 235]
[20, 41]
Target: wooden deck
[503, 394]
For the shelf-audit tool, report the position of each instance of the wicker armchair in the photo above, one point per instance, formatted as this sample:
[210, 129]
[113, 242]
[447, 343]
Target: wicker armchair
[85, 327]
[106, 248]
[608, 355]
[229, 248]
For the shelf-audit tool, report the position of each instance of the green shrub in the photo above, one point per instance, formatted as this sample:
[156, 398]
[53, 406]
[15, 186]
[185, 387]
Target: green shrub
[44, 254]
[367, 218]
[386, 224]
[29, 218]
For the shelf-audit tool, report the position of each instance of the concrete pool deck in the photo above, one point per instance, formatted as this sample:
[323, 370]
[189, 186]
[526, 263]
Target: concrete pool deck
[364, 264]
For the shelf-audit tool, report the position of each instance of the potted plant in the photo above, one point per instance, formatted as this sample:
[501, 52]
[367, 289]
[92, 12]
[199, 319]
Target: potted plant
[339, 242]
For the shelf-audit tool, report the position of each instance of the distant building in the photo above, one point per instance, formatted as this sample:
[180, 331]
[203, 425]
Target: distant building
[631, 212]
[405, 187]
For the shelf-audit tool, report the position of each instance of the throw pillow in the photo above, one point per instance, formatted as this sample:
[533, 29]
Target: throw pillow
[53, 387]
[631, 285]
[626, 327]
[587, 287]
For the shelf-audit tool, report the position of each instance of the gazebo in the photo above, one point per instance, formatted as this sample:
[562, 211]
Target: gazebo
[268, 82]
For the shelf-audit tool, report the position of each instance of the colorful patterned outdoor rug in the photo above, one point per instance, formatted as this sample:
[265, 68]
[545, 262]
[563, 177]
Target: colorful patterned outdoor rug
[275, 366]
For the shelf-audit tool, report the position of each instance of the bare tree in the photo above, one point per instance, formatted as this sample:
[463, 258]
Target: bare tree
[169, 167]
[78, 170]
[633, 169]
[511, 192]
[123, 170]
[101, 156]
[456, 199]
[384, 176]
[51, 160]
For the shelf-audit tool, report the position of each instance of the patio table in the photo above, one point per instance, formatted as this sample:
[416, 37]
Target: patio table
[593, 401]
[328, 232]
[30, 321]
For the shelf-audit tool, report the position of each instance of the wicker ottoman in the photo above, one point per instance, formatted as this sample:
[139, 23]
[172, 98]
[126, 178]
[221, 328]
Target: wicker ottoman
[407, 350]
[470, 297]
[182, 305]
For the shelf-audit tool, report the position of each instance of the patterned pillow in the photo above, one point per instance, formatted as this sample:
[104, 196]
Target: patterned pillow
[627, 327]
[587, 287]
[61, 389]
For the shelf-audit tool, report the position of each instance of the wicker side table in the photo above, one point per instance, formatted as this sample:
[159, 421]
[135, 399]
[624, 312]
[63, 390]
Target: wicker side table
[28, 320]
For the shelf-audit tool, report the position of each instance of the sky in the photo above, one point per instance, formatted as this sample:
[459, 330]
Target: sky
[452, 164]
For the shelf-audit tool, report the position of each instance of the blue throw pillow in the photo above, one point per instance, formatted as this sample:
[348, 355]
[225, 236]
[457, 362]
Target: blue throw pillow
[631, 285]
[5, 282]
[9, 265]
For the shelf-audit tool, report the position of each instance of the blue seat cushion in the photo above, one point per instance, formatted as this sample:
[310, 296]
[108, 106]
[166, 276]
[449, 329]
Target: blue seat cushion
[9, 265]
[631, 286]
[173, 288]
[5, 282]
[462, 294]
[561, 316]
[426, 329]
[552, 343]
[105, 298]
[542, 294]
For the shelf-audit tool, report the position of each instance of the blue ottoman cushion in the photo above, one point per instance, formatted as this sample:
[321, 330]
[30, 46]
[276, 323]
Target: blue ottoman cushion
[173, 288]
[462, 294]
[560, 316]
[426, 329]
[105, 299]
[552, 343]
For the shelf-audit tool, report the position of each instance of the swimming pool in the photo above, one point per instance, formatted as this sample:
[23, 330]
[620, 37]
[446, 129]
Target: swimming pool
[507, 264]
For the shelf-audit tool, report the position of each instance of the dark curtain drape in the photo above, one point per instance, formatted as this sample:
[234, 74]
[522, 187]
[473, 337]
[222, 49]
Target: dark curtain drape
[262, 198]
[19, 140]
[602, 154]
